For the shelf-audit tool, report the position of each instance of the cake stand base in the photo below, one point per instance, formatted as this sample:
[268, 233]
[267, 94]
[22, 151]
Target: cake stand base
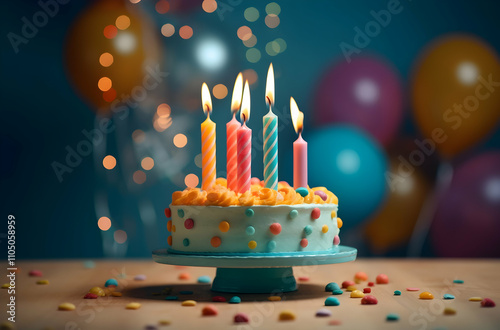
[256, 272]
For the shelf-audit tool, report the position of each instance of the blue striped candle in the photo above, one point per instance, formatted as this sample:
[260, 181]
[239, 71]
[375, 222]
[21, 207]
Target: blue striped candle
[270, 150]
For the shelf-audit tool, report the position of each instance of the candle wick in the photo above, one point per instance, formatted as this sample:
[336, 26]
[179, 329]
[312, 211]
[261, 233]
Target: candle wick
[244, 118]
[268, 101]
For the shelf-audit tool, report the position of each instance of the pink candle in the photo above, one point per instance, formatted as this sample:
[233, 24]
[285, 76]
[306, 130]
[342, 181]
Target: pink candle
[231, 135]
[244, 144]
[299, 148]
[299, 163]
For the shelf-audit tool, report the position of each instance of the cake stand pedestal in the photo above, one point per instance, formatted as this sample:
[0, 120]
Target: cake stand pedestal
[256, 273]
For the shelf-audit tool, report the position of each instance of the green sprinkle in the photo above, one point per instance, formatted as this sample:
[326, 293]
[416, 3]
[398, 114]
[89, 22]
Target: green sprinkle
[448, 296]
[293, 214]
[235, 300]
[249, 212]
[458, 281]
[271, 245]
[185, 242]
[250, 230]
[308, 230]
[392, 317]
[337, 292]
[171, 298]
[397, 293]
[180, 213]
[332, 301]
[332, 286]
[302, 191]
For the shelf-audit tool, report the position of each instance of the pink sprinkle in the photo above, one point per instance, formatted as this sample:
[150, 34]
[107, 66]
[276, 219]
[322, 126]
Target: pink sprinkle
[367, 290]
[275, 228]
[90, 296]
[218, 299]
[412, 289]
[346, 284]
[315, 213]
[487, 302]
[321, 194]
[304, 242]
[168, 212]
[369, 300]
[335, 322]
[189, 223]
[241, 318]
[140, 277]
[36, 273]
[209, 310]
[336, 240]
[371, 284]
[382, 279]
[303, 278]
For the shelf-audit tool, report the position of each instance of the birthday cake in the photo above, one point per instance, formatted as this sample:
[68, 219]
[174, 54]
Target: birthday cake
[261, 220]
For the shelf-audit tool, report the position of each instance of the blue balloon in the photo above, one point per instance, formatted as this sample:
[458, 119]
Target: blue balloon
[349, 163]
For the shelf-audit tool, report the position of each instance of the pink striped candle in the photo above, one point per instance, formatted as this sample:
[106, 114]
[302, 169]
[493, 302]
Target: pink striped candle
[244, 144]
[231, 136]
[299, 148]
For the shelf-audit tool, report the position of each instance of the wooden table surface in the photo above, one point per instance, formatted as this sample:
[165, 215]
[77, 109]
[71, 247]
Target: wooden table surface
[37, 305]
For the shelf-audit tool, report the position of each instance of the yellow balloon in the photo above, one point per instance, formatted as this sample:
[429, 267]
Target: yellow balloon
[456, 93]
[107, 50]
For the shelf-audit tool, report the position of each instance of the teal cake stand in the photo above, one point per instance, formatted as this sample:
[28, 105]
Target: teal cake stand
[256, 273]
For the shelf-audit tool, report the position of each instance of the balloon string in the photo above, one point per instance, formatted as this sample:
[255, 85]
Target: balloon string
[428, 211]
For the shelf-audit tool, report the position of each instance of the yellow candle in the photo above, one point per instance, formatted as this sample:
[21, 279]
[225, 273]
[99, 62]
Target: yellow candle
[208, 171]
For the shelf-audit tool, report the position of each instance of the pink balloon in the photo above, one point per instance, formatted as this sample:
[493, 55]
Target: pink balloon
[366, 93]
[467, 221]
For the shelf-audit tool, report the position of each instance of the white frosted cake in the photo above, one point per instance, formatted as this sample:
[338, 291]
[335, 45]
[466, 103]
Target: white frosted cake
[259, 221]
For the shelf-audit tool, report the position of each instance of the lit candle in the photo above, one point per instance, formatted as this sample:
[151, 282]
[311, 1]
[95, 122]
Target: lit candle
[207, 142]
[299, 148]
[244, 144]
[231, 136]
[270, 122]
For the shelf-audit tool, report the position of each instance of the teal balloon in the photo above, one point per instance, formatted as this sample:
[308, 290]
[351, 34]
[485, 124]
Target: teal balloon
[349, 163]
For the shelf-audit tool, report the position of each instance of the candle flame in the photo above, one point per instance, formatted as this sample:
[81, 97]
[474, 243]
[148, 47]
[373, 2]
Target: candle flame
[238, 88]
[206, 99]
[270, 86]
[245, 103]
[297, 116]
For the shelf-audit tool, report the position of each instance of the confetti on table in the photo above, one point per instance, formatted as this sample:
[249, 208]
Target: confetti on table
[90, 296]
[35, 273]
[209, 310]
[426, 295]
[449, 311]
[335, 322]
[412, 289]
[116, 294]
[448, 296]
[5, 286]
[98, 291]
[382, 279]
[111, 282]
[397, 293]
[287, 315]
[337, 292]
[347, 284]
[371, 284]
[171, 298]
[218, 299]
[165, 322]
[66, 307]
[458, 281]
[360, 277]
[392, 317]
[475, 299]
[487, 302]
[189, 303]
[357, 294]
[235, 300]
[274, 298]
[323, 312]
[241, 318]
[43, 282]
[303, 278]
[133, 305]
[351, 288]
[204, 279]
[332, 301]
[331, 286]
[369, 300]
[184, 276]
[140, 277]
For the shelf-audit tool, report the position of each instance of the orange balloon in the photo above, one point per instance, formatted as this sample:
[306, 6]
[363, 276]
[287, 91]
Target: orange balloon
[107, 50]
[456, 93]
[394, 223]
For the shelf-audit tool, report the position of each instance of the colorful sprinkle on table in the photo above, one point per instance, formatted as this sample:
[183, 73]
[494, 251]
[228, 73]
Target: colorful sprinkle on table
[392, 317]
[171, 298]
[204, 279]
[133, 305]
[382, 279]
[331, 286]
[448, 296]
[188, 303]
[5, 286]
[350, 288]
[346, 284]
[397, 293]
[475, 299]
[241, 318]
[360, 276]
[332, 301]
[140, 277]
[458, 281]
[371, 284]
[90, 296]
[43, 282]
[337, 292]
[164, 322]
[66, 307]
[426, 295]
[449, 311]
[35, 273]
[369, 300]
[367, 290]
[323, 312]
[218, 299]
[487, 302]
[184, 276]
[111, 282]
[335, 322]
[357, 294]
[235, 300]
[274, 298]
[412, 289]
[287, 315]
[303, 278]
[209, 310]
[98, 291]
[116, 294]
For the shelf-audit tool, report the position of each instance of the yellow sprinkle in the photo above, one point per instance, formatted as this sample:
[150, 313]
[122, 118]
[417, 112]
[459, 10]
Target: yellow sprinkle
[116, 294]
[351, 288]
[5, 286]
[324, 229]
[189, 303]
[274, 298]
[334, 214]
[98, 291]
[287, 316]
[475, 299]
[224, 226]
[164, 322]
[426, 295]
[357, 280]
[66, 307]
[449, 311]
[339, 223]
[42, 282]
[357, 294]
[133, 305]
[252, 244]
[173, 229]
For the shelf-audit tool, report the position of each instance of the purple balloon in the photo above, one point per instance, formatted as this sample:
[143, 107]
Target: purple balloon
[365, 92]
[467, 221]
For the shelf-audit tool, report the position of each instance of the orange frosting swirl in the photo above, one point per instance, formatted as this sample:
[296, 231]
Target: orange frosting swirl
[221, 197]
[268, 196]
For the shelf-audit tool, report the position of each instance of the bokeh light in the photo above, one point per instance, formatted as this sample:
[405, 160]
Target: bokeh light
[138, 136]
[161, 123]
[209, 6]
[191, 180]
[135, 1]
[167, 30]
[219, 91]
[109, 162]
[106, 59]
[180, 140]
[211, 54]
[251, 76]
[467, 73]
[104, 223]
[147, 163]
[244, 32]
[162, 6]
[348, 161]
[163, 110]
[186, 32]
[272, 48]
[273, 8]
[197, 160]
[252, 41]
[281, 44]
[366, 91]
[251, 14]
[110, 31]
[139, 177]
[120, 236]
[272, 21]
[253, 55]
[122, 22]
[125, 42]
[104, 84]
[110, 95]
